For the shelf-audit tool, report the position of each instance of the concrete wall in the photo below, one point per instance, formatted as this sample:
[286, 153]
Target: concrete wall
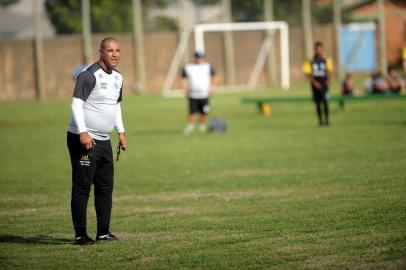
[62, 54]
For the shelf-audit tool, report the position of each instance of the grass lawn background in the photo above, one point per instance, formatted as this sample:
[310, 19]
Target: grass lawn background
[271, 192]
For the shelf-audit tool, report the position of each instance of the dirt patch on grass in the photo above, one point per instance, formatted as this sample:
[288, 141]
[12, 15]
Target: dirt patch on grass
[256, 172]
[341, 261]
[148, 236]
[195, 195]
[396, 264]
[167, 211]
[23, 198]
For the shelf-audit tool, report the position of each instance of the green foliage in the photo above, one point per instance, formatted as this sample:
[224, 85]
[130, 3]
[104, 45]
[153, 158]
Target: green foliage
[285, 10]
[156, 3]
[246, 10]
[5, 3]
[322, 14]
[106, 16]
[161, 24]
[65, 15]
[111, 16]
[207, 2]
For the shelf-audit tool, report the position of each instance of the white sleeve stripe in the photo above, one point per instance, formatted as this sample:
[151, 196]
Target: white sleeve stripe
[119, 119]
[78, 114]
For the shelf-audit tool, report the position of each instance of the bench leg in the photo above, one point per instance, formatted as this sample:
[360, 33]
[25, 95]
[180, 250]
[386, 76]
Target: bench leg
[341, 103]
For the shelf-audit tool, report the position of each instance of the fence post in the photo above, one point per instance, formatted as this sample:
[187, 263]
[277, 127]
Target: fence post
[337, 25]
[138, 44]
[86, 31]
[229, 44]
[271, 63]
[381, 36]
[307, 27]
[39, 51]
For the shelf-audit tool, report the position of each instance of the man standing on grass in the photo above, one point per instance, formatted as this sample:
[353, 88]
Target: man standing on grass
[96, 111]
[198, 82]
[319, 71]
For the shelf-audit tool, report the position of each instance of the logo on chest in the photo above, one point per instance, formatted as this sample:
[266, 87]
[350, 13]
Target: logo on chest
[319, 69]
[116, 85]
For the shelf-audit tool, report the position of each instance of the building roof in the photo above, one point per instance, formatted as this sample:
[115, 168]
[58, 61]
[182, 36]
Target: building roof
[17, 20]
[357, 4]
[11, 23]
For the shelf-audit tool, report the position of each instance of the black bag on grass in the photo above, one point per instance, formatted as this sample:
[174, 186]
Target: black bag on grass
[217, 124]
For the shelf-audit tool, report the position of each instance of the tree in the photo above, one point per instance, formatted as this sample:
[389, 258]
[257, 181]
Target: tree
[111, 16]
[106, 16]
[246, 11]
[161, 23]
[285, 10]
[65, 15]
[5, 3]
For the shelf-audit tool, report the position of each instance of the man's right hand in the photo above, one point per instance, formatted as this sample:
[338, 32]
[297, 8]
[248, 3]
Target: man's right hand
[86, 140]
[186, 92]
[317, 84]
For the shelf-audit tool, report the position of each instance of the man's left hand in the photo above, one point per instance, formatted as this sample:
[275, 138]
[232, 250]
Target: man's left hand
[122, 140]
[211, 91]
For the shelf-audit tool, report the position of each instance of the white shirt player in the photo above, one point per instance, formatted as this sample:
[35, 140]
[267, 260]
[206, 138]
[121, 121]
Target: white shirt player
[198, 77]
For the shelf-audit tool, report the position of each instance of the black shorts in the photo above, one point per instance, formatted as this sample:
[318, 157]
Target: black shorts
[199, 105]
[320, 95]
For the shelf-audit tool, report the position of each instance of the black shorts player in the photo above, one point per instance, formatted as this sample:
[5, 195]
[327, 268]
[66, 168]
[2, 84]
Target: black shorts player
[318, 72]
[198, 82]
[199, 105]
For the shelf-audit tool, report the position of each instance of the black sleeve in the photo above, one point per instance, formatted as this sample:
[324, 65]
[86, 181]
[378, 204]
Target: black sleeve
[120, 98]
[184, 74]
[212, 71]
[84, 85]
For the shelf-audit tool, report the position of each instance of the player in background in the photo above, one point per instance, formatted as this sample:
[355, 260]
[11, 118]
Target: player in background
[404, 59]
[198, 82]
[318, 71]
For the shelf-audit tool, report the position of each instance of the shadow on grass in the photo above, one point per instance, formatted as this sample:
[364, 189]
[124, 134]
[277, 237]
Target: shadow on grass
[40, 239]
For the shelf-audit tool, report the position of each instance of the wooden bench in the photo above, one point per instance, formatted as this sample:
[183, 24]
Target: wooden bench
[264, 103]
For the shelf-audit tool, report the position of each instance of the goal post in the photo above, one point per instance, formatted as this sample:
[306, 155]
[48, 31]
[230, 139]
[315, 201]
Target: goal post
[199, 39]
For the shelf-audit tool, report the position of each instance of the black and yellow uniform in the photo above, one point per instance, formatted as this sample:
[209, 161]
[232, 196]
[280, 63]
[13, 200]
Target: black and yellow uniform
[404, 60]
[319, 68]
[404, 53]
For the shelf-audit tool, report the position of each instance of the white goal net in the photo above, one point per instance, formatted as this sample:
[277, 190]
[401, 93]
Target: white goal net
[199, 37]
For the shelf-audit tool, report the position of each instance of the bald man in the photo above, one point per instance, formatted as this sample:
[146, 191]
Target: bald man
[96, 111]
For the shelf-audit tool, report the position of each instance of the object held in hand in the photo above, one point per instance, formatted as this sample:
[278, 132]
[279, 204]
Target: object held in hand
[119, 147]
[118, 152]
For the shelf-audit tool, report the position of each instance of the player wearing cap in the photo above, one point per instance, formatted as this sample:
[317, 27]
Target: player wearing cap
[198, 82]
[319, 71]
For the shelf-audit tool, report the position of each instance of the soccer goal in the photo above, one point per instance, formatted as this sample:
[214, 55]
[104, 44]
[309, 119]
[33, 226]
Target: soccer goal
[199, 38]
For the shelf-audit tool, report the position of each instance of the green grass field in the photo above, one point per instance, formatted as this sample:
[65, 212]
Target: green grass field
[272, 192]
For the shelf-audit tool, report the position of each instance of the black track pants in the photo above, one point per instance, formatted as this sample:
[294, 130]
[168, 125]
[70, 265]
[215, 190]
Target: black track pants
[94, 166]
[319, 105]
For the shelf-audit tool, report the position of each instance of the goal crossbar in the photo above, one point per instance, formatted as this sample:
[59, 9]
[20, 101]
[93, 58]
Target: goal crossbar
[271, 27]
